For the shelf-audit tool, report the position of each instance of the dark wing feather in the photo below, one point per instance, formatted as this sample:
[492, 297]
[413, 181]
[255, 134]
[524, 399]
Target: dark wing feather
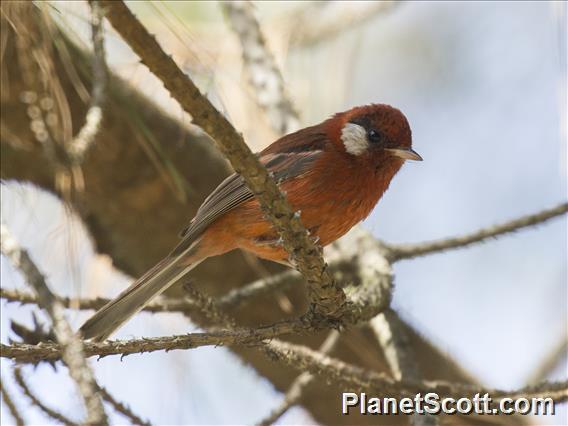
[286, 159]
[227, 195]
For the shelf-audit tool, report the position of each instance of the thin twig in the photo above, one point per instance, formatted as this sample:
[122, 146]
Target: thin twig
[409, 251]
[349, 376]
[399, 354]
[231, 300]
[209, 307]
[550, 361]
[296, 390]
[164, 304]
[71, 346]
[123, 409]
[327, 299]
[239, 296]
[311, 27]
[19, 378]
[78, 147]
[264, 75]
[10, 404]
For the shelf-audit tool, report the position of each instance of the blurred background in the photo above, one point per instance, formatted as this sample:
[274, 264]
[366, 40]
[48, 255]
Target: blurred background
[483, 85]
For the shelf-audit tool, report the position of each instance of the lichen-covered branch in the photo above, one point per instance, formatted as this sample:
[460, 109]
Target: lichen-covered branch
[409, 251]
[327, 299]
[72, 349]
[264, 75]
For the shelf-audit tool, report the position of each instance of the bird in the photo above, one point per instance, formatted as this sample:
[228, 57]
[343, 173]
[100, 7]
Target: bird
[333, 174]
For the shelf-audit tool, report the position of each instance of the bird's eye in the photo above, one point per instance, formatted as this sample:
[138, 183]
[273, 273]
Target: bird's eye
[374, 136]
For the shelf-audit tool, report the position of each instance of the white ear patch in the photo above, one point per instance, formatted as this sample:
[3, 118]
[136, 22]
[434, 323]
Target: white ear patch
[354, 137]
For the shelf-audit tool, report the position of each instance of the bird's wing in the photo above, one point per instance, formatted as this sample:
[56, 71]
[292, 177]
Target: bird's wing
[286, 159]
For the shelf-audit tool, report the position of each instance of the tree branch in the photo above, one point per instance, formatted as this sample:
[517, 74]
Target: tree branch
[241, 295]
[409, 251]
[48, 351]
[164, 304]
[264, 75]
[72, 350]
[210, 308]
[349, 376]
[232, 299]
[327, 299]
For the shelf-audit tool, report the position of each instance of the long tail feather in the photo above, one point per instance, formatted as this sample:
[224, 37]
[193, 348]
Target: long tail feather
[128, 303]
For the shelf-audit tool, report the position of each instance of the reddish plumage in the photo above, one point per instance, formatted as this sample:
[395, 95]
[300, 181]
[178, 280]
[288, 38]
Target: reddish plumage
[334, 173]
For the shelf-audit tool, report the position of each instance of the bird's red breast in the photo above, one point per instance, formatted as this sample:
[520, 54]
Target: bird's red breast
[333, 173]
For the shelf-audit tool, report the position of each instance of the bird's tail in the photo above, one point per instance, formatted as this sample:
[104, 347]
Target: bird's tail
[128, 303]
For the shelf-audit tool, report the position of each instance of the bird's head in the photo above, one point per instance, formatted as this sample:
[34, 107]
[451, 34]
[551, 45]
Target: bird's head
[377, 132]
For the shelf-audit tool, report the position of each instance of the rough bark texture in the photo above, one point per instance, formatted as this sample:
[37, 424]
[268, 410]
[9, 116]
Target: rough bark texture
[134, 216]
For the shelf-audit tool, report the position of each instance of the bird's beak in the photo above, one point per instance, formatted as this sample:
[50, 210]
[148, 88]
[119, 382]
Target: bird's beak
[405, 153]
